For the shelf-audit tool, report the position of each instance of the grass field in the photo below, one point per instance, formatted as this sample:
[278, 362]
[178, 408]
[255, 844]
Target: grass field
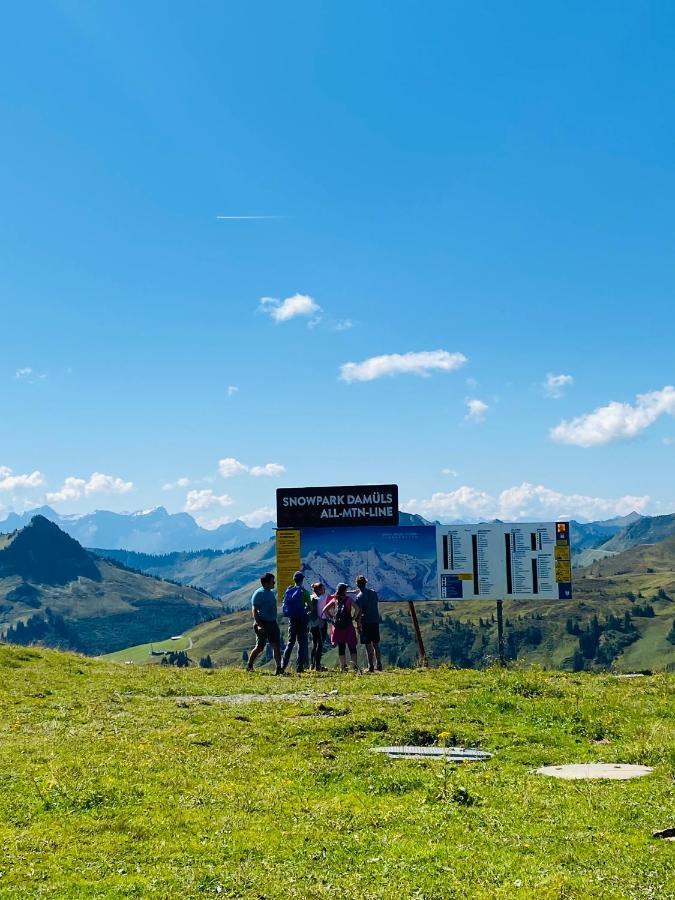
[128, 781]
[142, 653]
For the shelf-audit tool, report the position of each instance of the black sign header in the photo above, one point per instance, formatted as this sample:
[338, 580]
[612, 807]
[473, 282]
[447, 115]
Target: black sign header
[314, 507]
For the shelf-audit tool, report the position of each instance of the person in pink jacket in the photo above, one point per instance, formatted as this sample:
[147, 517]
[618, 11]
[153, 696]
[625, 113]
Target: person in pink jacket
[340, 610]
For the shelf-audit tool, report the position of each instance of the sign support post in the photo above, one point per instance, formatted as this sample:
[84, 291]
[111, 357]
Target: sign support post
[424, 662]
[500, 633]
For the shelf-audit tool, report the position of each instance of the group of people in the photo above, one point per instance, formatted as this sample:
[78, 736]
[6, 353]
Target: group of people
[316, 614]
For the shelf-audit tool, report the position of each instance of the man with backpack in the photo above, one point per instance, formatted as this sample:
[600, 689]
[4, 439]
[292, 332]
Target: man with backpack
[296, 606]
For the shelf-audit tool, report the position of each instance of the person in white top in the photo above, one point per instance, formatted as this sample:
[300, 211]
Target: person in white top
[318, 625]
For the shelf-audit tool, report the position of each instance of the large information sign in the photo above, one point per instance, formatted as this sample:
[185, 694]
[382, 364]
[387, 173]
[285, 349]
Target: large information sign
[321, 507]
[500, 561]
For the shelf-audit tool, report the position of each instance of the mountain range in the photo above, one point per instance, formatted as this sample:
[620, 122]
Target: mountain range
[147, 531]
[158, 532]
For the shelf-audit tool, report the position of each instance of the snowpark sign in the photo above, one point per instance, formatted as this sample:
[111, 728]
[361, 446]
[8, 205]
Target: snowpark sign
[321, 507]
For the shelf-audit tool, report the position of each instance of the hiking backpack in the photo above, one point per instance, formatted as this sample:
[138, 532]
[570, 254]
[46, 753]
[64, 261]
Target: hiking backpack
[342, 614]
[294, 602]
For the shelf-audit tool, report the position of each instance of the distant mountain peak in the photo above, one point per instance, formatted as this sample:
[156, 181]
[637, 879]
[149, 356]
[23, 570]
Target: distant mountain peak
[41, 552]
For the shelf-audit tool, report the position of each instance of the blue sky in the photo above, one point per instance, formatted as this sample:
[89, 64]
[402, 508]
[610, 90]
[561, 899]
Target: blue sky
[488, 185]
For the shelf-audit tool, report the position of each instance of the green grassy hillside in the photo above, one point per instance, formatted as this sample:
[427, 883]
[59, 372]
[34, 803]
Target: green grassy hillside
[537, 632]
[125, 781]
[456, 635]
[54, 592]
[646, 530]
[230, 572]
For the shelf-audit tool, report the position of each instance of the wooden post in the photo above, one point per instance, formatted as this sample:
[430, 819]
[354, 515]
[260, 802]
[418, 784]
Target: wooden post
[500, 633]
[424, 662]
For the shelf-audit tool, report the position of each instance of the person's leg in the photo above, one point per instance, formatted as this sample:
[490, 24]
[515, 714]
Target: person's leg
[290, 643]
[255, 653]
[342, 656]
[276, 653]
[317, 647]
[378, 656]
[302, 645]
[371, 657]
[316, 639]
[354, 658]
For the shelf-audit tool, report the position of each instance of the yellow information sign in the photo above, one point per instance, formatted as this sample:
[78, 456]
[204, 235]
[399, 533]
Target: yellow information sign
[563, 563]
[288, 558]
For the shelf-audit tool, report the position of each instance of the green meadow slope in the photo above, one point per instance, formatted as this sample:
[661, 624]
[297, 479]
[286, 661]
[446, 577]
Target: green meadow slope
[631, 583]
[55, 592]
[466, 633]
[128, 781]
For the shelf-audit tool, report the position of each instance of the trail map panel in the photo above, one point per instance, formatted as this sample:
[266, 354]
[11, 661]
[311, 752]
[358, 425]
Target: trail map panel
[398, 561]
[521, 560]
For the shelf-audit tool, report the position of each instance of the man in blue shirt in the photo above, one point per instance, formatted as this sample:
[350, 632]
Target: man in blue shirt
[296, 608]
[264, 611]
[368, 621]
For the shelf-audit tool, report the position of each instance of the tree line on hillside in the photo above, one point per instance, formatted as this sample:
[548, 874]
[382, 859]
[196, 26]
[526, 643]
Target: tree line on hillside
[125, 568]
[46, 628]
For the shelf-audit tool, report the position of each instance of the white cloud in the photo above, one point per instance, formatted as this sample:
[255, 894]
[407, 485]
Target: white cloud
[476, 410]
[453, 473]
[211, 522]
[232, 389]
[259, 516]
[229, 467]
[616, 421]
[98, 483]
[523, 502]
[107, 484]
[72, 489]
[28, 375]
[173, 485]
[342, 325]
[204, 506]
[200, 501]
[421, 363]
[554, 385]
[290, 308]
[10, 482]
[269, 470]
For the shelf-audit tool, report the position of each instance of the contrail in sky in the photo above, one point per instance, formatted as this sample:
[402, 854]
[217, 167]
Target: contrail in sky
[250, 217]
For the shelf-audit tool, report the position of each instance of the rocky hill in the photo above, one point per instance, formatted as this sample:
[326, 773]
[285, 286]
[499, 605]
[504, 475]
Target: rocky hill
[646, 530]
[54, 592]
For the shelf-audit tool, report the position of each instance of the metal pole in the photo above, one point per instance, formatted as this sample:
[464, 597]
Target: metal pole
[500, 633]
[424, 662]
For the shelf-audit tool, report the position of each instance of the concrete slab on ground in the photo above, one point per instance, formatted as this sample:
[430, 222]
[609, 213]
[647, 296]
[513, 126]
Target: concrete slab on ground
[611, 771]
[458, 754]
